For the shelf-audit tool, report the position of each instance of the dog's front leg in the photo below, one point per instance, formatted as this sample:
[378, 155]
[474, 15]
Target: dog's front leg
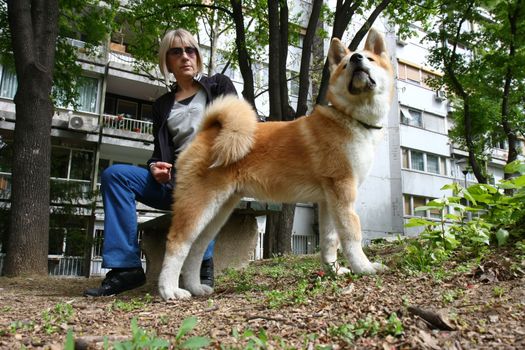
[340, 202]
[329, 242]
[174, 257]
[351, 242]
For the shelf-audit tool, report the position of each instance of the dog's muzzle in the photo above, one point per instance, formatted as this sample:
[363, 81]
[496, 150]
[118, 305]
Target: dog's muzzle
[361, 80]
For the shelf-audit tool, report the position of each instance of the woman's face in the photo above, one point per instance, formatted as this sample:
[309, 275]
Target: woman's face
[181, 60]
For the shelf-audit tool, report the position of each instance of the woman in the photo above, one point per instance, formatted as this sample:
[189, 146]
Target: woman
[176, 118]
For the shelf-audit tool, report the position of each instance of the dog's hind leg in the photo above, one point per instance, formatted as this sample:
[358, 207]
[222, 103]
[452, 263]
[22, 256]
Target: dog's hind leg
[191, 267]
[192, 212]
[329, 241]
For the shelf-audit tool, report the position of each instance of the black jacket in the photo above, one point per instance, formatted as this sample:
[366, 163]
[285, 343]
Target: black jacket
[163, 150]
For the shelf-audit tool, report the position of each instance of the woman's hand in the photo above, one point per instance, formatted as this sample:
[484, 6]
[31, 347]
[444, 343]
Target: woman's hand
[161, 171]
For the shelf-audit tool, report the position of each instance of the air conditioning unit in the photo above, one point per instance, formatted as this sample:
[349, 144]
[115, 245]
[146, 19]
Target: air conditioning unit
[401, 42]
[76, 122]
[440, 95]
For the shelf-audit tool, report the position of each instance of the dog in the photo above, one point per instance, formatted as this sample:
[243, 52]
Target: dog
[318, 158]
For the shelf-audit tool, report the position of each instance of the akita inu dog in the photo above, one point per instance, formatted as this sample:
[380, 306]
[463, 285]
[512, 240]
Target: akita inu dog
[318, 158]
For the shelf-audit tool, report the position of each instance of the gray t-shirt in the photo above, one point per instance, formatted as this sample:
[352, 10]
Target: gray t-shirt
[184, 120]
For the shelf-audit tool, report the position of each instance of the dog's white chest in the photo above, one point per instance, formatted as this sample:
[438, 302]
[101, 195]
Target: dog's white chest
[360, 153]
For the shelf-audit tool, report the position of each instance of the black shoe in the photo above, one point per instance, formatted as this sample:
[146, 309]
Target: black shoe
[207, 272]
[118, 281]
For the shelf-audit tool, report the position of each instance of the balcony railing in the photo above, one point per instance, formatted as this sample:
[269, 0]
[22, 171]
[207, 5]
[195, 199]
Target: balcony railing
[120, 122]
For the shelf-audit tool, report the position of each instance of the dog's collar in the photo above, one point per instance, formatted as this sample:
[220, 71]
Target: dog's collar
[368, 126]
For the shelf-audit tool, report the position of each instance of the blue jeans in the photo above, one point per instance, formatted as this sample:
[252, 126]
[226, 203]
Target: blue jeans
[121, 186]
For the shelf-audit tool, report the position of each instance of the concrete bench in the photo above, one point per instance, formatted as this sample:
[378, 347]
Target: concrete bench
[234, 245]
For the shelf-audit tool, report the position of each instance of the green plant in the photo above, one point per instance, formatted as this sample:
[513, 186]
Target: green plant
[451, 295]
[471, 219]
[394, 326]
[295, 296]
[140, 339]
[133, 304]
[498, 291]
[195, 342]
[52, 318]
[20, 325]
[70, 341]
[348, 332]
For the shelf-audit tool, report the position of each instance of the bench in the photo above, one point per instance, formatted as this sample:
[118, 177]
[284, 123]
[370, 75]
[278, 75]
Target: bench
[234, 245]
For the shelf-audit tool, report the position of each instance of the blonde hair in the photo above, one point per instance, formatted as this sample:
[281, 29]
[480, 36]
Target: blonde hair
[187, 39]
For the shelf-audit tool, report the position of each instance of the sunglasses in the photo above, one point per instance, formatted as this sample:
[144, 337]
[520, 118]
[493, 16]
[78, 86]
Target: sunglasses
[177, 51]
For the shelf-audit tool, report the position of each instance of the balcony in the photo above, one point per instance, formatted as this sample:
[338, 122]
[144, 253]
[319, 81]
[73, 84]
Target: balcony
[120, 122]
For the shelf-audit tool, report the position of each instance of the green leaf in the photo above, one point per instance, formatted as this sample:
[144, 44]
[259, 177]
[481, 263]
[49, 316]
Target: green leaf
[519, 181]
[415, 222]
[187, 325]
[70, 341]
[502, 236]
[468, 196]
[515, 167]
[426, 207]
[453, 217]
[196, 343]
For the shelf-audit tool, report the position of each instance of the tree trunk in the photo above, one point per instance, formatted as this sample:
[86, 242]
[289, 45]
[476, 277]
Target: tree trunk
[509, 77]
[278, 236]
[305, 71]
[34, 27]
[274, 62]
[283, 58]
[248, 91]
[284, 229]
[344, 12]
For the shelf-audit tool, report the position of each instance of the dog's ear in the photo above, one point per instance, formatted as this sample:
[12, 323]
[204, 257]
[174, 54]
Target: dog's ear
[375, 42]
[336, 53]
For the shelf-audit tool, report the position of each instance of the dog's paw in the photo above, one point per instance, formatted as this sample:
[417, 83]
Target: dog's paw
[369, 269]
[173, 293]
[340, 271]
[379, 267]
[200, 290]
[336, 269]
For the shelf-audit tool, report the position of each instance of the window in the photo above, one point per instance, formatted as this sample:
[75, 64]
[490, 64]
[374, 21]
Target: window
[110, 105]
[88, 94]
[146, 112]
[128, 108]
[405, 155]
[57, 237]
[418, 202]
[413, 74]
[81, 165]
[433, 164]
[8, 83]
[442, 166]
[98, 241]
[87, 100]
[417, 162]
[434, 122]
[71, 164]
[59, 162]
[6, 156]
[411, 203]
[293, 83]
[411, 117]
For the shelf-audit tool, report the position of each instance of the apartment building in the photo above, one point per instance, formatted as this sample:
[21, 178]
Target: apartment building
[113, 125]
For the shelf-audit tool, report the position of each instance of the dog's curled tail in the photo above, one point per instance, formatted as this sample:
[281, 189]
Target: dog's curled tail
[237, 121]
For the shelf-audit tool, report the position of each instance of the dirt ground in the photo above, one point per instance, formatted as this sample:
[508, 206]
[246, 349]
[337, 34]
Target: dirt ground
[476, 306]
